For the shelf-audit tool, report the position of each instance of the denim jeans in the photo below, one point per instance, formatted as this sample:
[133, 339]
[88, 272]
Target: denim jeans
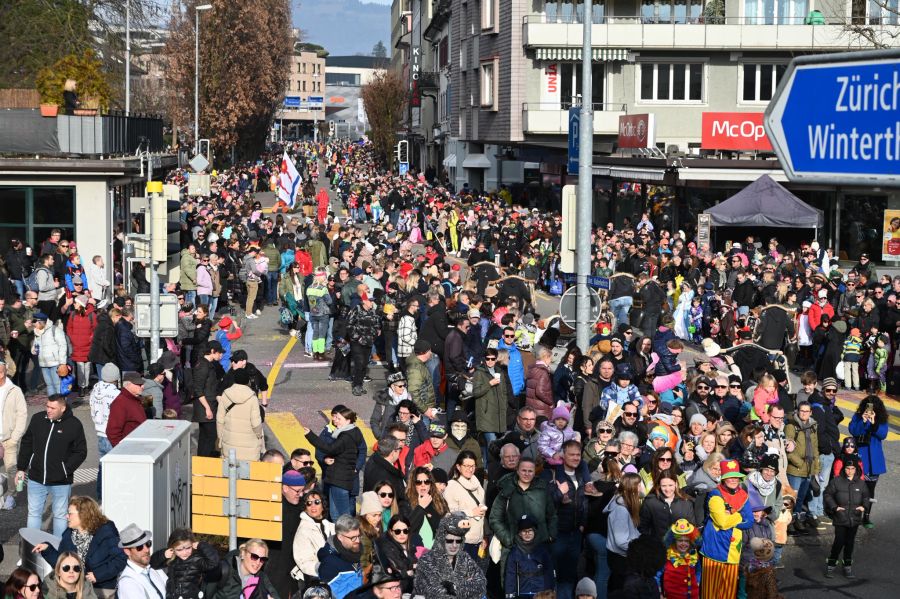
[620, 307]
[434, 367]
[272, 287]
[816, 505]
[213, 305]
[20, 287]
[51, 379]
[338, 502]
[37, 499]
[190, 296]
[204, 299]
[318, 328]
[566, 550]
[801, 485]
[308, 338]
[103, 448]
[601, 568]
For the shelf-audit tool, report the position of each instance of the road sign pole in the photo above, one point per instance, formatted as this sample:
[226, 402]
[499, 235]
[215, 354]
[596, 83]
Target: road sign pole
[232, 500]
[585, 175]
[153, 188]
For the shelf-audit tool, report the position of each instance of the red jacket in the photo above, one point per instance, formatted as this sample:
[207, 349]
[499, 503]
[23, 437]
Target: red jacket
[125, 414]
[424, 453]
[680, 582]
[80, 330]
[815, 314]
[303, 258]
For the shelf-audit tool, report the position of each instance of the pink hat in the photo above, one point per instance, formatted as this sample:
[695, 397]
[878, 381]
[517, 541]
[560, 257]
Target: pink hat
[560, 412]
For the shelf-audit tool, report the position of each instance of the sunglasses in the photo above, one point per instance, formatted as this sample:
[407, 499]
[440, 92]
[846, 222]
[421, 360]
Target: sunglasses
[630, 414]
[306, 463]
[735, 385]
[258, 558]
[386, 494]
[605, 430]
[829, 390]
[453, 541]
[400, 531]
[664, 460]
[423, 481]
[702, 386]
[721, 386]
[32, 587]
[509, 336]
[314, 502]
[400, 385]
[490, 359]
[67, 568]
[148, 545]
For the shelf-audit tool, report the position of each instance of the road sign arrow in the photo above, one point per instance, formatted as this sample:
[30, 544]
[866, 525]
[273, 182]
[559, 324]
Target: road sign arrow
[836, 118]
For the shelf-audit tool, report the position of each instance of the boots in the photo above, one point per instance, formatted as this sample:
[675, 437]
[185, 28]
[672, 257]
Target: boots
[848, 569]
[830, 567]
[796, 528]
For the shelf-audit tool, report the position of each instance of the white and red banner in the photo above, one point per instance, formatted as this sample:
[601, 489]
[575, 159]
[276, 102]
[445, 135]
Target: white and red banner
[734, 131]
[288, 181]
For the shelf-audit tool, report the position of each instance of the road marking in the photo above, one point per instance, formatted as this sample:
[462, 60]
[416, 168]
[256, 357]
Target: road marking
[276, 367]
[289, 432]
[306, 365]
[367, 433]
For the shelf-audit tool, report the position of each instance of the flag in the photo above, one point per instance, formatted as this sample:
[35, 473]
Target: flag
[288, 181]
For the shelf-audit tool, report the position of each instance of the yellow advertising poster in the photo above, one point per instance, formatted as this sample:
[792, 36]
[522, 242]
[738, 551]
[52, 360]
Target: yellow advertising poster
[890, 243]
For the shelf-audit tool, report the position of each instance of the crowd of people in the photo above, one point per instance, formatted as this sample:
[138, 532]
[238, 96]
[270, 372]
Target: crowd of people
[507, 463]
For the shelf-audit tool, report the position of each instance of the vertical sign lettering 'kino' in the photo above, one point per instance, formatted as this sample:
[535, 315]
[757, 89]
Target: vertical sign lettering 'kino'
[836, 118]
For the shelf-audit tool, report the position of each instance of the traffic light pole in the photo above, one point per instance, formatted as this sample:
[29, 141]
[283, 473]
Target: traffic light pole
[154, 188]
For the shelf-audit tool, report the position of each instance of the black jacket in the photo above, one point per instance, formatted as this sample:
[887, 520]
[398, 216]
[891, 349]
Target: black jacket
[657, 515]
[344, 450]
[828, 417]
[436, 328]
[653, 297]
[848, 494]
[129, 348]
[379, 469]
[51, 450]
[186, 575]
[206, 384]
[230, 587]
[103, 346]
[744, 294]
[775, 325]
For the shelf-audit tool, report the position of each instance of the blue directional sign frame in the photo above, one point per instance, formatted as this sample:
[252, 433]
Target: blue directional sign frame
[811, 71]
[574, 136]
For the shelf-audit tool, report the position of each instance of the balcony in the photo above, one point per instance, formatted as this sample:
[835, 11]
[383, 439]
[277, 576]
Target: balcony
[750, 33]
[553, 118]
[25, 131]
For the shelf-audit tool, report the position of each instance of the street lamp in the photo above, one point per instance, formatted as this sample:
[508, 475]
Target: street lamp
[127, 57]
[315, 112]
[197, 10]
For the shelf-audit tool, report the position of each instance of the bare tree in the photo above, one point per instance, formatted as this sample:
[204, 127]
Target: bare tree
[384, 98]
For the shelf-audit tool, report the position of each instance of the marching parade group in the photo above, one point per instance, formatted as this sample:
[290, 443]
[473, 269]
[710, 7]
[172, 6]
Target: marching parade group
[673, 458]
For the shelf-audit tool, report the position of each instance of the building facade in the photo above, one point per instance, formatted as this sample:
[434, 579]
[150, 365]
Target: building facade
[303, 106]
[344, 80]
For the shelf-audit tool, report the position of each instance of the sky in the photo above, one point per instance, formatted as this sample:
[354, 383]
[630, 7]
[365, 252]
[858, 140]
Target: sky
[344, 27]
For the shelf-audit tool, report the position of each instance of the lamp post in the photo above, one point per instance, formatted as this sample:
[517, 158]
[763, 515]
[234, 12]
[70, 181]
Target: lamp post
[315, 110]
[197, 10]
[127, 57]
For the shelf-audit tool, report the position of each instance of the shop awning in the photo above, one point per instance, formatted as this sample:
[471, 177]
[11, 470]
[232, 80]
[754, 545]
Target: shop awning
[627, 173]
[476, 161]
[450, 161]
[765, 203]
[597, 54]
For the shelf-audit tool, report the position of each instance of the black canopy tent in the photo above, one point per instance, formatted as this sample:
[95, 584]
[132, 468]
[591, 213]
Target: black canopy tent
[765, 203]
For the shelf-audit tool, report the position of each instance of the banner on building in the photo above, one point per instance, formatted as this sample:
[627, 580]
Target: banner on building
[637, 131]
[890, 246]
[734, 131]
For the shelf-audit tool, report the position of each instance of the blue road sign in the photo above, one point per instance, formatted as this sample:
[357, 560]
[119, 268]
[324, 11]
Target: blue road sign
[601, 283]
[292, 102]
[836, 118]
[574, 134]
[404, 168]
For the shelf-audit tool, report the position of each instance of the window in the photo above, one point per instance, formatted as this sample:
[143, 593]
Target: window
[665, 82]
[30, 213]
[303, 86]
[488, 85]
[671, 11]
[759, 81]
[342, 79]
[884, 12]
[775, 12]
[489, 15]
[572, 11]
[570, 84]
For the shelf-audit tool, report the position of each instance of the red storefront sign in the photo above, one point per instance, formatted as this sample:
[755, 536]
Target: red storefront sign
[734, 131]
[637, 131]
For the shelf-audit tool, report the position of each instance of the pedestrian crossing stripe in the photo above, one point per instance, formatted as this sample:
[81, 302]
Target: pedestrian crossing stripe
[850, 407]
[289, 432]
[367, 433]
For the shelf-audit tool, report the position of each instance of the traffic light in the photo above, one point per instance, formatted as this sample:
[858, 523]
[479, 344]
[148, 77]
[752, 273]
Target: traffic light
[401, 153]
[137, 241]
[163, 204]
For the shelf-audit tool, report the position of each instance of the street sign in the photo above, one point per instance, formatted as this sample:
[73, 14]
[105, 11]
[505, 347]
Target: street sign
[835, 118]
[704, 226]
[199, 163]
[256, 504]
[292, 101]
[404, 168]
[601, 283]
[168, 315]
[568, 310]
[574, 134]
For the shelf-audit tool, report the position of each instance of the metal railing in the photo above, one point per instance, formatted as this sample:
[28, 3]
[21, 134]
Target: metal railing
[596, 106]
[812, 19]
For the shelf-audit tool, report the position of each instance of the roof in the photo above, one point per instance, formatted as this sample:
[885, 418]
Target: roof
[357, 62]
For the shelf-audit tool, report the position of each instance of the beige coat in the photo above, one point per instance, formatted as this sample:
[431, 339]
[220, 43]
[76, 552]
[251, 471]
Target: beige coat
[239, 423]
[308, 539]
[459, 500]
[14, 419]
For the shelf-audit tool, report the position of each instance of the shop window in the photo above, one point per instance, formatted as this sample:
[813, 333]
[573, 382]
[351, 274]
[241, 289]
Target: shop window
[30, 213]
[862, 226]
[760, 80]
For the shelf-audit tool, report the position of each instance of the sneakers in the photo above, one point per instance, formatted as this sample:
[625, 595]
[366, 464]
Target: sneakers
[830, 567]
[367, 379]
[251, 316]
[258, 312]
[358, 391]
[848, 569]
[308, 354]
[9, 503]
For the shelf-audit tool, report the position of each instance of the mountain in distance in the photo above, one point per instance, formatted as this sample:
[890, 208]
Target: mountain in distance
[345, 27]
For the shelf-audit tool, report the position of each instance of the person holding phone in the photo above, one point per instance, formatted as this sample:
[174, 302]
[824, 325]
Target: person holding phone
[869, 426]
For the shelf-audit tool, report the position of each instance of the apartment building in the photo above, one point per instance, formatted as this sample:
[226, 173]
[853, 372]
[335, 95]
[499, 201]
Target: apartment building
[303, 106]
[344, 80]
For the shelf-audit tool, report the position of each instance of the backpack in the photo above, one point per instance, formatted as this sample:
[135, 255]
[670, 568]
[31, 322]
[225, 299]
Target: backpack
[31, 281]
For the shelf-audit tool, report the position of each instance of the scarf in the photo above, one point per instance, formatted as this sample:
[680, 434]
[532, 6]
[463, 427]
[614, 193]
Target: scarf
[735, 499]
[764, 488]
[682, 559]
[82, 541]
[395, 399]
[343, 429]
[352, 557]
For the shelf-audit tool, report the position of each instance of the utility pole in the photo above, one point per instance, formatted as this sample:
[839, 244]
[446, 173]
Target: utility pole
[585, 176]
[127, 57]
[154, 188]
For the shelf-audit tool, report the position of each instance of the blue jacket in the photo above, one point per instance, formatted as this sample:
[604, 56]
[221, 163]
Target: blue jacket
[287, 258]
[668, 362]
[515, 370]
[104, 558]
[222, 337]
[332, 565]
[527, 574]
[129, 348]
[872, 455]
